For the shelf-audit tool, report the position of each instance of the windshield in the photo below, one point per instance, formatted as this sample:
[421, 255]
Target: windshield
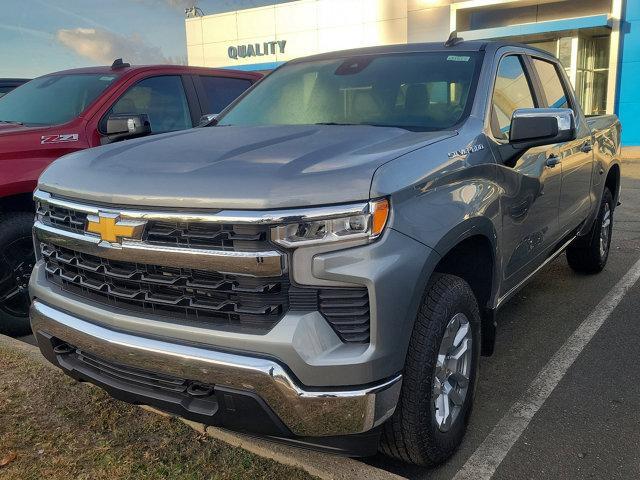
[53, 99]
[424, 91]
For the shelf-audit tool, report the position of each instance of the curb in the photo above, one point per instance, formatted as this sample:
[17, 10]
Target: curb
[630, 153]
[322, 465]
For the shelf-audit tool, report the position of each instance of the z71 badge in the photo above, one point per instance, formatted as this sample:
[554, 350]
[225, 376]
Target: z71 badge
[62, 138]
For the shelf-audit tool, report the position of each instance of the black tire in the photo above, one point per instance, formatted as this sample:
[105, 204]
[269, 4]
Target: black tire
[16, 262]
[412, 434]
[585, 255]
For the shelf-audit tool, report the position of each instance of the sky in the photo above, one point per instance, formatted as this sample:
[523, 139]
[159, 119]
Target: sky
[43, 36]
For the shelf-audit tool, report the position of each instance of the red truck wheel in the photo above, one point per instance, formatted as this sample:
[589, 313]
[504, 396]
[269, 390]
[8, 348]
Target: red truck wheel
[16, 262]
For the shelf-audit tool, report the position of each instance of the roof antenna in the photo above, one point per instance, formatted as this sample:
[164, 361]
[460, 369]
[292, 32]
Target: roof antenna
[453, 39]
[118, 63]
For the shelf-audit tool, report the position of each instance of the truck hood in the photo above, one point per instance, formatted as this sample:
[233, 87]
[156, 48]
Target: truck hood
[235, 167]
[6, 128]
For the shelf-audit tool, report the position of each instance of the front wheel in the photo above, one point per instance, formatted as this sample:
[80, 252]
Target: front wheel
[16, 262]
[439, 377]
[590, 254]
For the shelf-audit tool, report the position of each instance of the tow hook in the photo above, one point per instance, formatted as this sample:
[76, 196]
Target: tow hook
[197, 389]
[63, 349]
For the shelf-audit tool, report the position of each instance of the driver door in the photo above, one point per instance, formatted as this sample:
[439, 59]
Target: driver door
[531, 186]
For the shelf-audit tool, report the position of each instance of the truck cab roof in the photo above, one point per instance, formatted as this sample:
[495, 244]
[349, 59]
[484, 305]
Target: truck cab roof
[132, 69]
[460, 46]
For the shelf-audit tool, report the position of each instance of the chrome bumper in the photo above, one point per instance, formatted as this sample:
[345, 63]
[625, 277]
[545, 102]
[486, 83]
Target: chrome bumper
[308, 413]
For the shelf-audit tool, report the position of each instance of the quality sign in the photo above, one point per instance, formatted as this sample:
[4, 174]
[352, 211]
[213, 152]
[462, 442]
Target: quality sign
[256, 49]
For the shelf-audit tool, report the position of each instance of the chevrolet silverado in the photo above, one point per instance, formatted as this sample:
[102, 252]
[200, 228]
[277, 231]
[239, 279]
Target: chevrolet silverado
[324, 265]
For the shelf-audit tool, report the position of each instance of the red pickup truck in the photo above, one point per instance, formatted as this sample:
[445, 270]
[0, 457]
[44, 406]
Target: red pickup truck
[68, 111]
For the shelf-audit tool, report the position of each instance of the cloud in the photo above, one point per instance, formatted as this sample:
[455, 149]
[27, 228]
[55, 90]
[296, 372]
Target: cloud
[26, 31]
[103, 46]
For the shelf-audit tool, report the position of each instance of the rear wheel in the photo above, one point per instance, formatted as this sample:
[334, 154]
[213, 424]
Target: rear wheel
[590, 254]
[16, 262]
[439, 377]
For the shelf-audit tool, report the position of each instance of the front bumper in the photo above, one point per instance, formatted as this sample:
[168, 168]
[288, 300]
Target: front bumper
[299, 412]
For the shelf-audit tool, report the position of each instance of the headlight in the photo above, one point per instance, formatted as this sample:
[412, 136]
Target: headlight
[366, 224]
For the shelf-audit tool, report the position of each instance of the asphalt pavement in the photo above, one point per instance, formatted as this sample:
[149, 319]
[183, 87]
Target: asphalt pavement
[589, 426]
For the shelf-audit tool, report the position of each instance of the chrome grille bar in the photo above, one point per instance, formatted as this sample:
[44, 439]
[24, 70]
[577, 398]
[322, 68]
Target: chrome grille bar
[237, 217]
[255, 264]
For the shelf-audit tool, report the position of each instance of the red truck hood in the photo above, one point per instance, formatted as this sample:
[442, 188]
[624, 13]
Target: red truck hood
[13, 128]
[25, 151]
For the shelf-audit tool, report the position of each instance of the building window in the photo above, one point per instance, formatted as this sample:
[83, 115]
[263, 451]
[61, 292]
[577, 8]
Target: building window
[592, 74]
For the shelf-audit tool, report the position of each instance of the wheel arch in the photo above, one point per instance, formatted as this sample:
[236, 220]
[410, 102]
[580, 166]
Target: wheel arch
[612, 182]
[471, 252]
[20, 202]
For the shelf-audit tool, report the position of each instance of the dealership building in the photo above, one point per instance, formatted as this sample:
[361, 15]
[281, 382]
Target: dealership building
[598, 41]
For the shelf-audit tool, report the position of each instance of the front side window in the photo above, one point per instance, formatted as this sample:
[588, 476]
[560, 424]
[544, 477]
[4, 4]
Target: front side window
[511, 92]
[162, 99]
[53, 99]
[551, 84]
[221, 91]
[421, 91]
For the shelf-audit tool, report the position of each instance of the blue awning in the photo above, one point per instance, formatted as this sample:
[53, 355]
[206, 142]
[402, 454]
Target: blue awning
[593, 21]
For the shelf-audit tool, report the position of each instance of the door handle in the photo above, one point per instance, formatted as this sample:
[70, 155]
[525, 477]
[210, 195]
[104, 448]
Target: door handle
[552, 160]
[586, 147]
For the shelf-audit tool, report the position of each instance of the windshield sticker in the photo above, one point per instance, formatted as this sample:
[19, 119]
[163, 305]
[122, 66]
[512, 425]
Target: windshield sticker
[63, 138]
[458, 58]
[107, 79]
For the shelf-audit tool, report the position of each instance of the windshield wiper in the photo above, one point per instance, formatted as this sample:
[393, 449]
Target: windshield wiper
[12, 122]
[364, 124]
[338, 123]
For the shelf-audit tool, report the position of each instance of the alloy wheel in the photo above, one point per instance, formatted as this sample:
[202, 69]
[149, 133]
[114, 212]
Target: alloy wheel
[16, 264]
[452, 372]
[605, 231]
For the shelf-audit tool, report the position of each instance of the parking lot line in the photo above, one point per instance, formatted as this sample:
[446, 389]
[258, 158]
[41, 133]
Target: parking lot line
[483, 463]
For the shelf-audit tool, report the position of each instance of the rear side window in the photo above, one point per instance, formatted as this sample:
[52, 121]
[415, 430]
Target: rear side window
[511, 92]
[222, 91]
[551, 84]
[162, 98]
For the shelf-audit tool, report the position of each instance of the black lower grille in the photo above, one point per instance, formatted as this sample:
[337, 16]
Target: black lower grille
[346, 309]
[136, 376]
[219, 300]
[208, 299]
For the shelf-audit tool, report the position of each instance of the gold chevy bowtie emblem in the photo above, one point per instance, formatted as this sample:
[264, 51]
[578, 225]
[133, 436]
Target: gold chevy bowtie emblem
[111, 229]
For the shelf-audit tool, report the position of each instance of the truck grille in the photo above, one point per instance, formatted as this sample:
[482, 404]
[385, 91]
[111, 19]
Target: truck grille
[219, 300]
[200, 297]
[212, 236]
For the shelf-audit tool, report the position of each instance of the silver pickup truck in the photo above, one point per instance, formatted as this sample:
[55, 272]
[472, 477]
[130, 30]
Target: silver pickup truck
[323, 265]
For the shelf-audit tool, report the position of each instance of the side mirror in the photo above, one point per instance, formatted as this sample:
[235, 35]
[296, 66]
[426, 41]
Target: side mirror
[121, 127]
[535, 127]
[207, 119]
